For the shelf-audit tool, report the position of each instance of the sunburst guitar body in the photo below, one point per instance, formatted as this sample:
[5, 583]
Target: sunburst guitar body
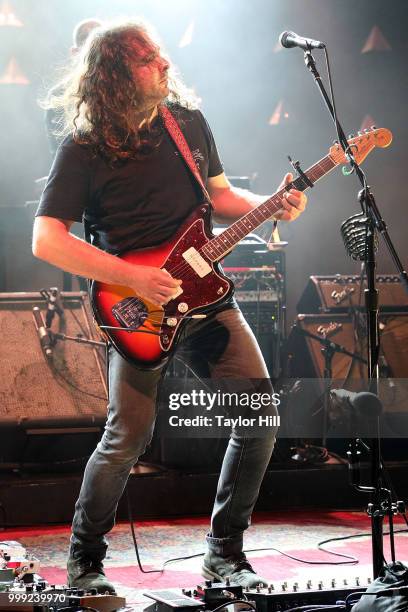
[152, 330]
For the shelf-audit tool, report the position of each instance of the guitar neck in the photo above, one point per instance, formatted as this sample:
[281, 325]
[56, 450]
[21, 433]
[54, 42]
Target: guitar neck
[216, 248]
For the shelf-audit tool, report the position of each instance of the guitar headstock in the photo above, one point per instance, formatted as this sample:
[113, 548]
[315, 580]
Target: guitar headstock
[362, 145]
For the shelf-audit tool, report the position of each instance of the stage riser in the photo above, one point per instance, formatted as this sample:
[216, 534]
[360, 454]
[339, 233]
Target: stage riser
[46, 500]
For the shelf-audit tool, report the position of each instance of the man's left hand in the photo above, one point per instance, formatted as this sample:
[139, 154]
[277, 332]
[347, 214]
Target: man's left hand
[293, 202]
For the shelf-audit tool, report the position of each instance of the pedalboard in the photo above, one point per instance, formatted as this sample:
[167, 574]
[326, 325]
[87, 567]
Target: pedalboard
[273, 598]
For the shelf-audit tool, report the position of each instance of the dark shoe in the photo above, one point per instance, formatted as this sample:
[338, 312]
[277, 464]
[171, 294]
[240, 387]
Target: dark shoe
[85, 573]
[236, 567]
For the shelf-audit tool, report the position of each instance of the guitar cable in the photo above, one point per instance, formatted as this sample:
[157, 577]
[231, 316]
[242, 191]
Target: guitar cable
[132, 529]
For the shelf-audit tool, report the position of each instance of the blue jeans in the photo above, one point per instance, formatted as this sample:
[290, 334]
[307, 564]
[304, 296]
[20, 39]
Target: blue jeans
[225, 345]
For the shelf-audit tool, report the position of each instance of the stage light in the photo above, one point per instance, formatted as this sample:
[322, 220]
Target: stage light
[276, 115]
[8, 17]
[376, 41]
[367, 123]
[187, 37]
[13, 74]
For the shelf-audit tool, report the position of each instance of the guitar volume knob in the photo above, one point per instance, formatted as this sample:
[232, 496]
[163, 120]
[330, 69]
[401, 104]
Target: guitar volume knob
[182, 307]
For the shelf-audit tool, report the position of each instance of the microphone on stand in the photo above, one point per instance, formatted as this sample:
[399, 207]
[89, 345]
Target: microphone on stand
[52, 306]
[52, 297]
[44, 334]
[290, 39]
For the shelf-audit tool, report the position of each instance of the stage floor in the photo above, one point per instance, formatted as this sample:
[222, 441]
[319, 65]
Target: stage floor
[295, 533]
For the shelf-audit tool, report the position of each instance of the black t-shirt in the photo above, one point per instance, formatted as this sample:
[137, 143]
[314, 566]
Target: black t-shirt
[139, 203]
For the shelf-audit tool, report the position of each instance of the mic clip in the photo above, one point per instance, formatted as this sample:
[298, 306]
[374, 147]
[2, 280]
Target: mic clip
[51, 296]
[296, 166]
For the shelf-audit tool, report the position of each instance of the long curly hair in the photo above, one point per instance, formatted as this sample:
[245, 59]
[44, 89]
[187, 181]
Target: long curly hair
[98, 98]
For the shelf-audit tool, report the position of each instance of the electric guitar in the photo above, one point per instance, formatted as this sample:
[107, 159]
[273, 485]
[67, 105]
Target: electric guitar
[146, 334]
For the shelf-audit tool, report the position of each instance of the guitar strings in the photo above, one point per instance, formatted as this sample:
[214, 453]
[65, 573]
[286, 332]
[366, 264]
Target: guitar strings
[314, 173]
[183, 269]
[276, 199]
[179, 269]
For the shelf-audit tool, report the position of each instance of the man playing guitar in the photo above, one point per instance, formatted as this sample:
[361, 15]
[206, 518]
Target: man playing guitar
[119, 170]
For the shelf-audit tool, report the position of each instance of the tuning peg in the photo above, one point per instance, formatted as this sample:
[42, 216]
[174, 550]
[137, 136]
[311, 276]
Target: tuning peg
[360, 133]
[373, 127]
[351, 136]
[336, 142]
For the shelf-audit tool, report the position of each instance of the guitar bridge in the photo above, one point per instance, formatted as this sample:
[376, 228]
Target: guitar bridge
[130, 312]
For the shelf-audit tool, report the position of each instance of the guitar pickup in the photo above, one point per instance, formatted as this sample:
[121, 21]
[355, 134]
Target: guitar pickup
[197, 262]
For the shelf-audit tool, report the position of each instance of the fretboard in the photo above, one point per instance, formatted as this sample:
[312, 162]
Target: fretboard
[216, 248]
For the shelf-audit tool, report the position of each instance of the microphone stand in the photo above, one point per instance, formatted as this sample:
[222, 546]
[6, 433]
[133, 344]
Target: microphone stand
[51, 296]
[57, 336]
[328, 350]
[378, 507]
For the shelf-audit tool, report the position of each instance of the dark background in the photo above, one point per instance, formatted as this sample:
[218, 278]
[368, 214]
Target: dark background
[233, 64]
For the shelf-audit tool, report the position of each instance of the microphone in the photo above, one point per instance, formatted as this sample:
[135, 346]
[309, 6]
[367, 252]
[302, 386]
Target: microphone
[53, 307]
[368, 405]
[290, 39]
[365, 404]
[44, 335]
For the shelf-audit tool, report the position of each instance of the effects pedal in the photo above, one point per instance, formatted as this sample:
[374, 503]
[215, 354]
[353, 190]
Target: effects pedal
[205, 597]
[214, 594]
[172, 600]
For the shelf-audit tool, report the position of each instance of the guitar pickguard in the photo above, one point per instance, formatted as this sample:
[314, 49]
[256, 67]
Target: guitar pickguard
[202, 286]
[146, 333]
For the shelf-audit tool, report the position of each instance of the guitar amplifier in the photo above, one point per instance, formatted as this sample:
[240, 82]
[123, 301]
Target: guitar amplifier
[307, 360]
[338, 293]
[259, 278]
[52, 411]
[258, 274]
[68, 388]
[260, 294]
[254, 252]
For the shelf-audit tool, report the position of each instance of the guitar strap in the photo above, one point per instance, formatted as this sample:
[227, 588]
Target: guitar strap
[177, 136]
[179, 140]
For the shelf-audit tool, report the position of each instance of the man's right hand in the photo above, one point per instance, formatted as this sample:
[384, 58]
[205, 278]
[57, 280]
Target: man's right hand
[52, 242]
[154, 284]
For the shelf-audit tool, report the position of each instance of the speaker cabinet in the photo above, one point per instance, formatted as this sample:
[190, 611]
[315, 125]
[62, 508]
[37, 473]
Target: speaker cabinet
[338, 293]
[307, 360]
[305, 353]
[68, 388]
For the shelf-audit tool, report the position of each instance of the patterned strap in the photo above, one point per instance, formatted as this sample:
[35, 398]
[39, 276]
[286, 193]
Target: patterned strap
[177, 136]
